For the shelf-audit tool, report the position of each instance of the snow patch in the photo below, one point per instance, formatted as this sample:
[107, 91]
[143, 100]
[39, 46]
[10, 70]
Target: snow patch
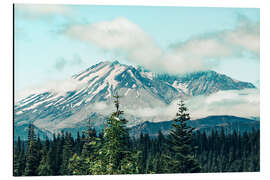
[58, 100]
[49, 98]
[33, 106]
[126, 93]
[180, 86]
[49, 104]
[138, 94]
[19, 112]
[99, 74]
[27, 101]
[31, 97]
[88, 99]
[78, 104]
[148, 75]
[83, 89]
[131, 74]
[87, 72]
[111, 77]
[101, 87]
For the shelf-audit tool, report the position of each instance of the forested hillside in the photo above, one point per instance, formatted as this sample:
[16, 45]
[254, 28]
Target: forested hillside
[113, 151]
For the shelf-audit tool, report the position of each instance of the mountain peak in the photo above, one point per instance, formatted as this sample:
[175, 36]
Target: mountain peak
[115, 62]
[137, 86]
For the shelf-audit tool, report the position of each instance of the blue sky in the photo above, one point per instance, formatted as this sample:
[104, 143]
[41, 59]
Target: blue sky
[53, 42]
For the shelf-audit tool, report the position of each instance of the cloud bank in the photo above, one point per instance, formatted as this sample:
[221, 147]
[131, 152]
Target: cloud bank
[242, 103]
[245, 37]
[63, 63]
[123, 36]
[42, 10]
[67, 85]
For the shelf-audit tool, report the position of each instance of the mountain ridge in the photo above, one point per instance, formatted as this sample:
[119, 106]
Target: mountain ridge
[137, 86]
[206, 124]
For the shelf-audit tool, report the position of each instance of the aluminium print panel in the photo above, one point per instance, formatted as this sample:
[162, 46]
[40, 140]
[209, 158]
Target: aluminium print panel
[103, 90]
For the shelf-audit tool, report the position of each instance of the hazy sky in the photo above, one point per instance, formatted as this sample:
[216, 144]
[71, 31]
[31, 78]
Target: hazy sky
[53, 42]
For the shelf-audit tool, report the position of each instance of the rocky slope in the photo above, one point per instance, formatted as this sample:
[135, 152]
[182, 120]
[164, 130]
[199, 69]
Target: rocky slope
[139, 88]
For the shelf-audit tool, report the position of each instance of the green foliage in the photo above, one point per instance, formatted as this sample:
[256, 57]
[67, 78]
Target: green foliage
[181, 152]
[112, 151]
[44, 168]
[67, 154]
[77, 165]
[32, 153]
[19, 158]
[228, 152]
[91, 142]
[115, 154]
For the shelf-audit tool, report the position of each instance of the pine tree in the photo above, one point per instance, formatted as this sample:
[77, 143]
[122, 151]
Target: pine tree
[77, 165]
[182, 159]
[32, 154]
[44, 168]
[22, 160]
[89, 156]
[39, 148]
[18, 158]
[90, 141]
[54, 157]
[145, 149]
[160, 164]
[67, 154]
[78, 144]
[116, 153]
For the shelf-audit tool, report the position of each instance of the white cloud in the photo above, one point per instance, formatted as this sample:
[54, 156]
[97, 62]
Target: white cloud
[100, 106]
[119, 35]
[62, 63]
[122, 36]
[200, 47]
[242, 103]
[60, 87]
[42, 10]
[146, 112]
[66, 85]
[245, 36]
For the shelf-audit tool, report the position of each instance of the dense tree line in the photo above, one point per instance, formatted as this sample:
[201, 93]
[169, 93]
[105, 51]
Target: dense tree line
[228, 152]
[113, 151]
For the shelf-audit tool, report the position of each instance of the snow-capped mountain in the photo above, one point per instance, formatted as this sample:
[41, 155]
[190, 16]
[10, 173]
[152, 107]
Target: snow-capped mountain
[203, 83]
[54, 111]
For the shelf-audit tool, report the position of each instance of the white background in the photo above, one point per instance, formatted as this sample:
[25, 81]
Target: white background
[6, 84]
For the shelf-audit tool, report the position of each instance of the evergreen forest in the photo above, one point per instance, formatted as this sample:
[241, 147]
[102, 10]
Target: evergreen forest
[113, 151]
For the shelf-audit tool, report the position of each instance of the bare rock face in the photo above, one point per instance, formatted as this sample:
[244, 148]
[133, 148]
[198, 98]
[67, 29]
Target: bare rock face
[52, 111]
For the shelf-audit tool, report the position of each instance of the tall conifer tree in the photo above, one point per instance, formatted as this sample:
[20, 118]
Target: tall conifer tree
[18, 158]
[32, 154]
[45, 168]
[117, 154]
[89, 156]
[67, 154]
[90, 141]
[182, 159]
